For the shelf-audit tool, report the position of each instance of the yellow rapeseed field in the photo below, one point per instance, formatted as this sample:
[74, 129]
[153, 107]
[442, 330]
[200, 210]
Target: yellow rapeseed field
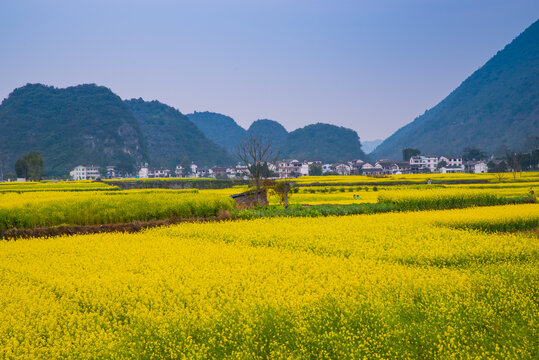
[419, 178]
[53, 208]
[430, 285]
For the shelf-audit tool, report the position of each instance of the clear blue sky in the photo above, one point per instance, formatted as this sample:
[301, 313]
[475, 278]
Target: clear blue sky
[372, 66]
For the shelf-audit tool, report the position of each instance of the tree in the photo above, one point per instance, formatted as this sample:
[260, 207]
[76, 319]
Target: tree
[514, 164]
[21, 168]
[282, 190]
[499, 176]
[315, 170]
[473, 154]
[30, 166]
[265, 171]
[256, 153]
[497, 167]
[535, 158]
[35, 165]
[186, 166]
[408, 153]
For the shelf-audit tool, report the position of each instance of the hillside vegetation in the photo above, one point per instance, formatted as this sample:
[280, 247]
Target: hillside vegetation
[85, 124]
[268, 130]
[497, 105]
[221, 129]
[172, 138]
[322, 142]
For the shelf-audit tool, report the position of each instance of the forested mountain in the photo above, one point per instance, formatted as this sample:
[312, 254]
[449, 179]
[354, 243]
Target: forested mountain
[172, 138]
[318, 142]
[324, 142]
[221, 129]
[497, 105]
[85, 124]
[268, 130]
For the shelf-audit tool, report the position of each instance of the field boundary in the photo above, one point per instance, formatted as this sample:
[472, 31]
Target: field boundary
[131, 227]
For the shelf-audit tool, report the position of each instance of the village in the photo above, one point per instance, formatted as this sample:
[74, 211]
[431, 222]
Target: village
[293, 168]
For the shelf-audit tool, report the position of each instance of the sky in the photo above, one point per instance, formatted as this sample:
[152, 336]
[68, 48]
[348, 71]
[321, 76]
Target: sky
[372, 66]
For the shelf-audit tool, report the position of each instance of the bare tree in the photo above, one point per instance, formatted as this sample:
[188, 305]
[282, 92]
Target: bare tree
[256, 153]
[514, 163]
[499, 176]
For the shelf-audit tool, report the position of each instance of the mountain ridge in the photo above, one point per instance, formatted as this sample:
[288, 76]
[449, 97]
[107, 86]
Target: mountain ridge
[172, 138]
[81, 124]
[497, 105]
[221, 129]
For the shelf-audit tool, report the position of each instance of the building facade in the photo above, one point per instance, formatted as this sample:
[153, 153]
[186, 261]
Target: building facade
[88, 172]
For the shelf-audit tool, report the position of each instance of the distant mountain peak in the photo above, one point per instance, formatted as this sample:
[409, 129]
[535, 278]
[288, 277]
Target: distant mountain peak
[219, 128]
[325, 142]
[269, 130]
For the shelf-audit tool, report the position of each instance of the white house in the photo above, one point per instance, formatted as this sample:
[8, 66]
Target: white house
[451, 160]
[144, 172]
[159, 173]
[204, 172]
[475, 167]
[89, 172]
[178, 172]
[289, 168]
[369, 169]
[481, 167]
[327, 168]
[452, 169]
[367, 166]
[425, 161]
[343, 169]
[111, 172]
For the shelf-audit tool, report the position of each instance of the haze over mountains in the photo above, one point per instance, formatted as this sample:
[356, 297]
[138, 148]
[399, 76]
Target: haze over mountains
[369, 146]
[497, 105]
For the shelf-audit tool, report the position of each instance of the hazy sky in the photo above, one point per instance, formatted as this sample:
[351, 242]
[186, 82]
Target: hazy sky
[372, 65]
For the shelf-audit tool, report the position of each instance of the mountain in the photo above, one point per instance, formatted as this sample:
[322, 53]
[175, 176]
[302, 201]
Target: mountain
[325, 142]
[269, 130]
[172, 138]
[497, 105]
[369, 146]
[85, 124]
[221, 129]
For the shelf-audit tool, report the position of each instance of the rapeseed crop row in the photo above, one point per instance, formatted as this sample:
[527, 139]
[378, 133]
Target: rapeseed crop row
[82, 185]
[400, 285]
[52, 208]
[414, 197]
[48, 209]
[418, 178]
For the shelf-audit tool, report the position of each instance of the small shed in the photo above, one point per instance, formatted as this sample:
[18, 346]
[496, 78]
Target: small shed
[250, 199]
